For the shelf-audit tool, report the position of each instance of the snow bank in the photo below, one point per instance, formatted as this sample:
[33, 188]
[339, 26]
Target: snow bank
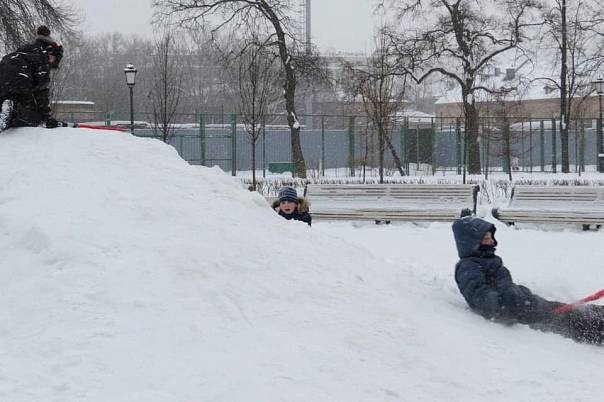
[129, 275]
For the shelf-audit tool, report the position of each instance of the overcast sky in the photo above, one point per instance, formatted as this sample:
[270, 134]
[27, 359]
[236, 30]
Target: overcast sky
[344, 25]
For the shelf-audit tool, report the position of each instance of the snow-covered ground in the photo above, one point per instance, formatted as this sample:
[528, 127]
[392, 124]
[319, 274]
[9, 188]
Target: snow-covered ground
[128, 275]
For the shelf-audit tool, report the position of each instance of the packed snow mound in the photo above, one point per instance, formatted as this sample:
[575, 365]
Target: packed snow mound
[129, 275]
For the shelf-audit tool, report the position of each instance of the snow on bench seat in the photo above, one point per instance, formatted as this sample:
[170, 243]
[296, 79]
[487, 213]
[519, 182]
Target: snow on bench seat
[554, 204]
[391, 202]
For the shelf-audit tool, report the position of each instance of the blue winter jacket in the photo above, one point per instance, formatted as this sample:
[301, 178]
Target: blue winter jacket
[485, 283]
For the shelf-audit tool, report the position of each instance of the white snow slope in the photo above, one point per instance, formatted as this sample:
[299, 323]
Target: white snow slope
[128, 275]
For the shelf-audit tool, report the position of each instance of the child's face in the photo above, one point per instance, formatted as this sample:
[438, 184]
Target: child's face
[488, 240]
[287, 207]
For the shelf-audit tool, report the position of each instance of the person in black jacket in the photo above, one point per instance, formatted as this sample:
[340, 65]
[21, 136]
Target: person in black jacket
[488, 288]
[25, 80]
[290, 206]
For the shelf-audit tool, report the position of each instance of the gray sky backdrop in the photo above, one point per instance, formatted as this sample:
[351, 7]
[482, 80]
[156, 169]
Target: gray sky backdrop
[344, 25]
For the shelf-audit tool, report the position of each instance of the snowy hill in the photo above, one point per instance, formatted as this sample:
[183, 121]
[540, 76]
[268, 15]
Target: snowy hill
[128, 275]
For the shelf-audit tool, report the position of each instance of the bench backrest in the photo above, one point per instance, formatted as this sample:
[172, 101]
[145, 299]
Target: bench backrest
[587, 196]
[454, 194]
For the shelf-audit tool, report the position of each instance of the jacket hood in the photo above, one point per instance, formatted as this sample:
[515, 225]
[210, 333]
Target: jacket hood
[468, 234]
[303, 204]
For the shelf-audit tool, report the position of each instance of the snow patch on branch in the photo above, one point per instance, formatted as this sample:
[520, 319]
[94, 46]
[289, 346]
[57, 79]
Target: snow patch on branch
[296, 124]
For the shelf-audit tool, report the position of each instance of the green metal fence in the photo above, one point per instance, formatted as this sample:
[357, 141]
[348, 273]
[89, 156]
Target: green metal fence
[348, 145]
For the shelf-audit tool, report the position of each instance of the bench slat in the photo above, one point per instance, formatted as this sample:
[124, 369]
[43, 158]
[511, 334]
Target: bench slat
[390, 202]
[549, 204]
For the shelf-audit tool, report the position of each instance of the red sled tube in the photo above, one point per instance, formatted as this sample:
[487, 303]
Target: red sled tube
[570, 307]
[101, 127]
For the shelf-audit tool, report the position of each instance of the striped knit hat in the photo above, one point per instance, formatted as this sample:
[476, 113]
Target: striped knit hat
[43, 36]
[288, 194]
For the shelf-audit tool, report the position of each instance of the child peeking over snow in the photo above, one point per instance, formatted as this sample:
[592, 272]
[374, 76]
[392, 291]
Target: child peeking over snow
[290, 206]
[487, 286]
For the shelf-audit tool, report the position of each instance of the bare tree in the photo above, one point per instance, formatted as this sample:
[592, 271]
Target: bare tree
[275, 14]
[574, 28]
[61, 77]
[19, 19]
[459, 39]
[255, 69]
[381, 90]
[205, 74]
[58, 84]
[95, 65]
[166, 90]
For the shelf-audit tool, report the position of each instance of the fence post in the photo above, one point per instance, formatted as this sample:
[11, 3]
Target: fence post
[482, 142]
[402, 142]
[582, 148]
[264, 146]
[351, 145]
[107, 119]
[405, 143]
[487, 151]
[598, 141]
[531, 145]
[458, 143]
[578, 147]
[522, 145]
[416, 147]
[542, 145]
[202, 140]
[554, 161]
[466, 150]
[233, 145]
[432, 141]
[322, 145]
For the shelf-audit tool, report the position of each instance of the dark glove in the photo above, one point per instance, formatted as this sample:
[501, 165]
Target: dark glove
[52, 123]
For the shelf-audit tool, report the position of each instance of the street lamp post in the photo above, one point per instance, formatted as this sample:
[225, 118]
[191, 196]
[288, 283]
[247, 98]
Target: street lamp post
[599, 86]
[130, 72]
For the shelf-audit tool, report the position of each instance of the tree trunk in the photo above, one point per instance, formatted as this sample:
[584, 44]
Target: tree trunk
[564, 112]
[289, 88]
[294, 124]
[471, 136]
[381, 151]
[254, 163]
[508, 148]
[397, 160]
[486, 156]
[366, 155]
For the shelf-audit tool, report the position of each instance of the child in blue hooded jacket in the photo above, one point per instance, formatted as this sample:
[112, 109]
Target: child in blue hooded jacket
[488, 288]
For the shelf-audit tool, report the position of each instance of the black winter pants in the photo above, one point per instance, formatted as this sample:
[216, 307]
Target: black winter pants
[26, 111]
[585, 324]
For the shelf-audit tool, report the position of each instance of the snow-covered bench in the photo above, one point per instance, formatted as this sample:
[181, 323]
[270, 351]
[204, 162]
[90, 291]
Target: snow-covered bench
[391, 202]
[554, 204]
